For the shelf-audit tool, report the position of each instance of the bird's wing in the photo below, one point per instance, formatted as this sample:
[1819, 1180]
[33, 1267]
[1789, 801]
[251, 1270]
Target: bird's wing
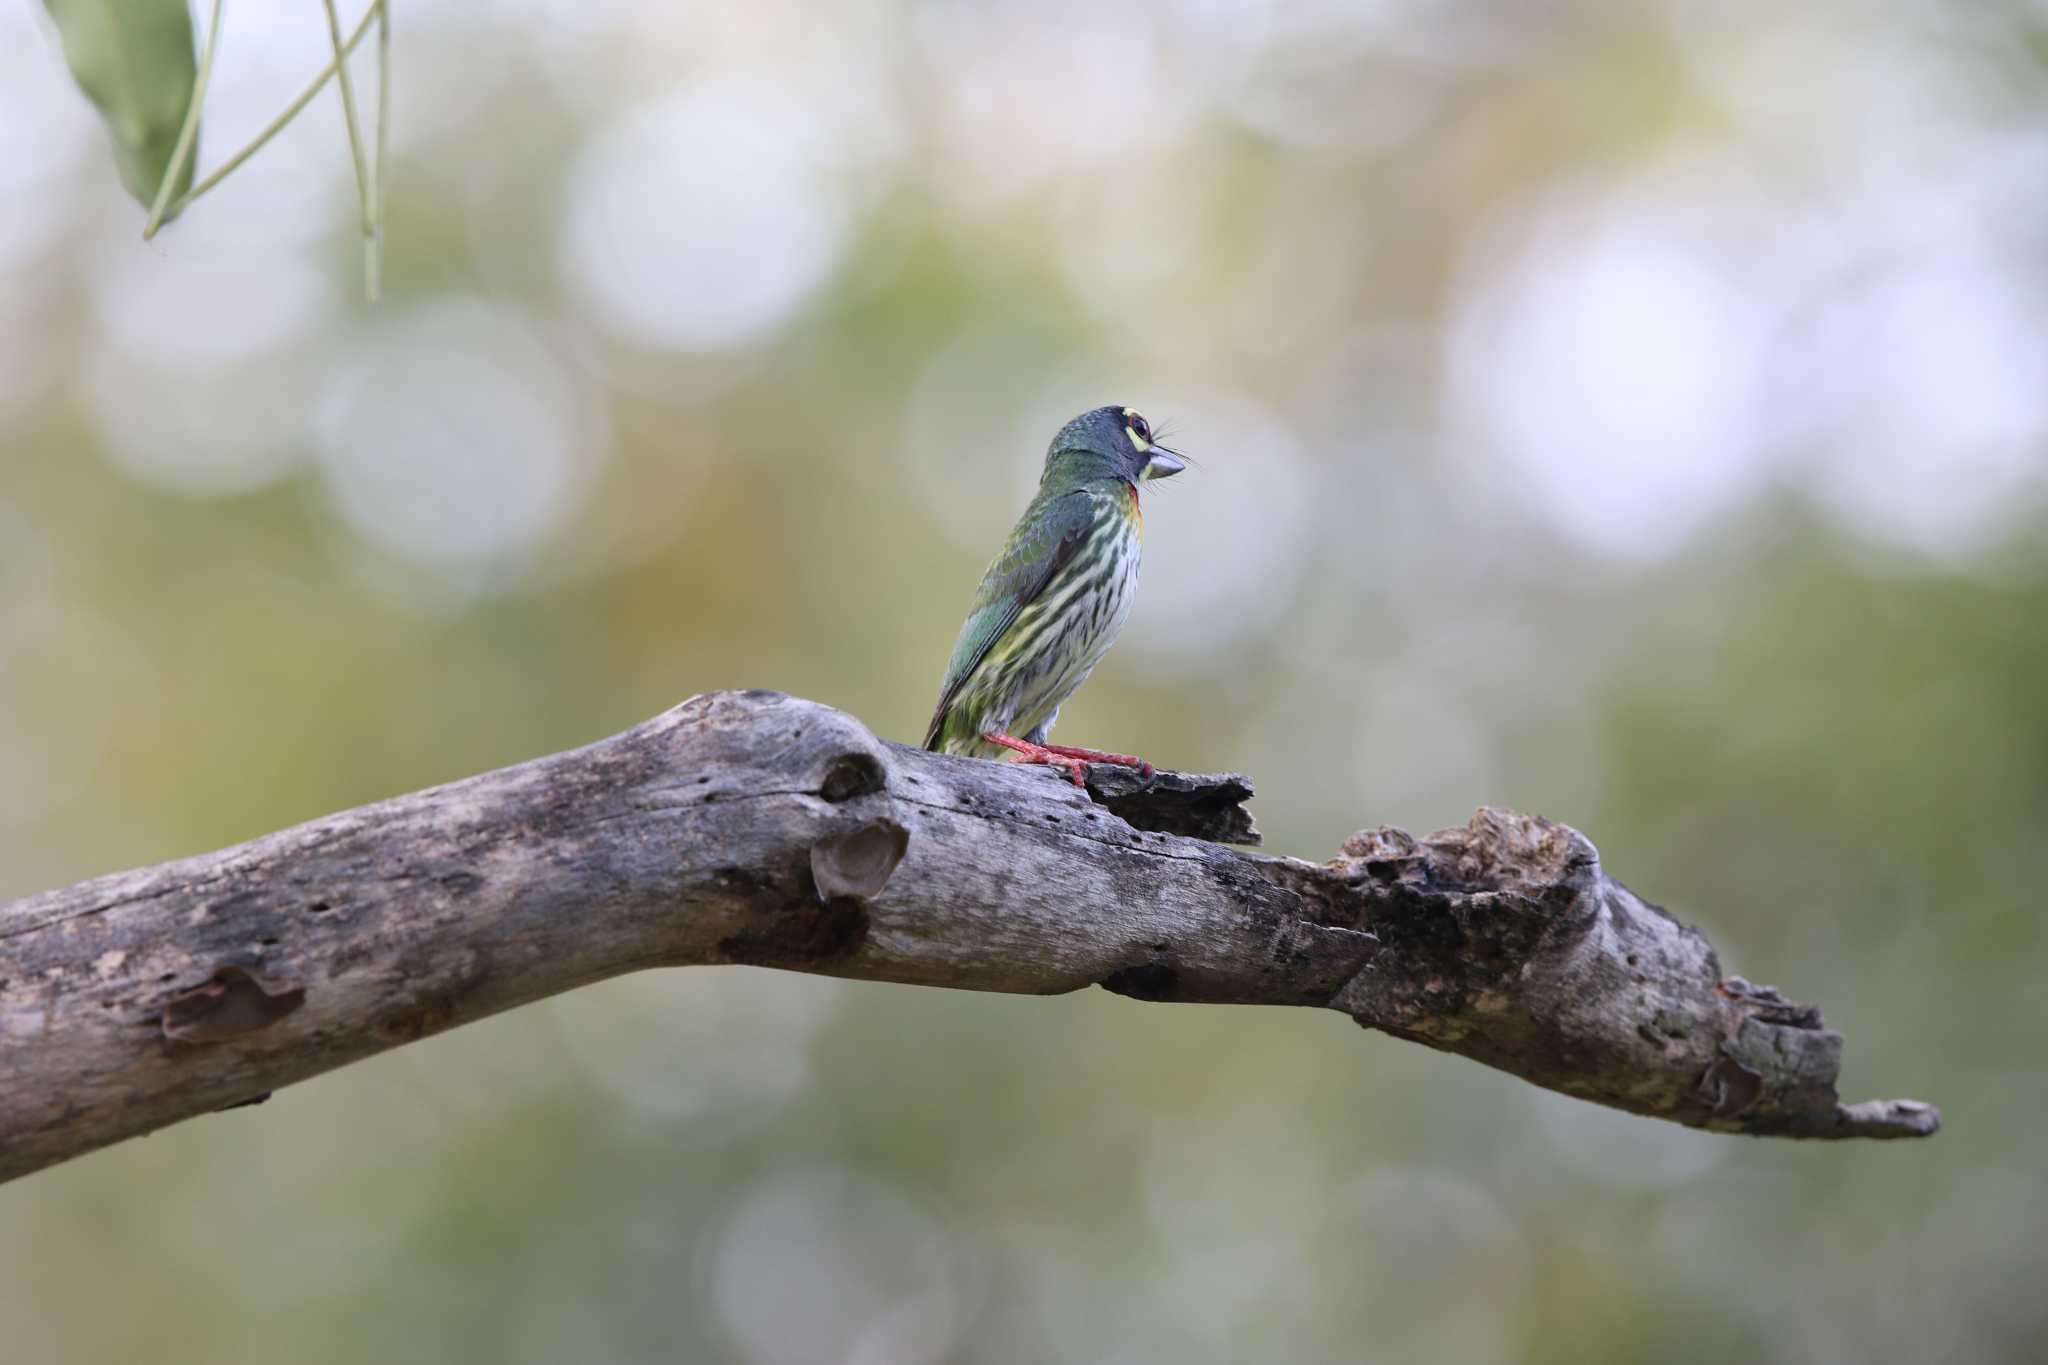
[1046, 539]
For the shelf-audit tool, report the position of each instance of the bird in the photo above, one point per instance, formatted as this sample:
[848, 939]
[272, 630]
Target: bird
[1052, 603]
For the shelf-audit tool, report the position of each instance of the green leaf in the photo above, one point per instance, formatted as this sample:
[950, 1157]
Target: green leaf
[134, 59]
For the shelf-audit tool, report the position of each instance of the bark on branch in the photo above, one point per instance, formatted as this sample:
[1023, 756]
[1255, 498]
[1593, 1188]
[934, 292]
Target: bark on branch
[756, 828]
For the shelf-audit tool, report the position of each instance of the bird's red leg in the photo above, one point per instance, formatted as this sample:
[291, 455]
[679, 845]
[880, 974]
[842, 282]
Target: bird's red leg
[1098, 756]
[1074, 760]
[1027, 752]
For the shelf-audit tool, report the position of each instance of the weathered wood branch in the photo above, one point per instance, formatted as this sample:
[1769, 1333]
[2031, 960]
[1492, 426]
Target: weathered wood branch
[755, 828]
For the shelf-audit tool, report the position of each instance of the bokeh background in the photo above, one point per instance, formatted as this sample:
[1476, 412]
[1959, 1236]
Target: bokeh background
[1633, 412]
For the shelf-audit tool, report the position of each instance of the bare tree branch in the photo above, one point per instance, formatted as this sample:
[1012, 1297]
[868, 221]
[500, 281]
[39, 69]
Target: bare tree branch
[756, 828]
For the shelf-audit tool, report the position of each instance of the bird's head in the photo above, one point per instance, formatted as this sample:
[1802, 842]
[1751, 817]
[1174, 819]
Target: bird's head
[1109, 442]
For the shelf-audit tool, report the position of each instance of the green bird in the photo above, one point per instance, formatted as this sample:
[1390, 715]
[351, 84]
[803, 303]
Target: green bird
[1051, 605]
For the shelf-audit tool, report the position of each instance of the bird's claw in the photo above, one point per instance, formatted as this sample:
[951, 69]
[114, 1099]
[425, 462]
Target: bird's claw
[1075, 761]
[1100, 756]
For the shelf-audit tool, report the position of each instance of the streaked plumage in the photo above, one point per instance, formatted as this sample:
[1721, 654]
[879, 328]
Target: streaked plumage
[1056, 596]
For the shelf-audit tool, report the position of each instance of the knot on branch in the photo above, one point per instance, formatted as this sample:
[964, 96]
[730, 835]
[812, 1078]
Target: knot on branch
[805, 906]
[1463, 914]
[750, 741]
[857, 862]
[1496, 850]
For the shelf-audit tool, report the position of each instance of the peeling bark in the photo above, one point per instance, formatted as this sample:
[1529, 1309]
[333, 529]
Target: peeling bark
[756, 828]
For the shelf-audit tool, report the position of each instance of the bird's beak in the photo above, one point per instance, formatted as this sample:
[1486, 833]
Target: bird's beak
[1162, 464]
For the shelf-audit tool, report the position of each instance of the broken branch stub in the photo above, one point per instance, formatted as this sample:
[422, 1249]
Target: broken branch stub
[1507, 942]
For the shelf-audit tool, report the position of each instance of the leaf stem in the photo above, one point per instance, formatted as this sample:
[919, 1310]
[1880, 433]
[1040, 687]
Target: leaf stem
[188, 132]
[373, 251]
[277, 125]
[348, 110]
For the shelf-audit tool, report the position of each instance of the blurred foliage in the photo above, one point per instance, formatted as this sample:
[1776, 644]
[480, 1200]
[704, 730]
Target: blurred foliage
[1630, 412]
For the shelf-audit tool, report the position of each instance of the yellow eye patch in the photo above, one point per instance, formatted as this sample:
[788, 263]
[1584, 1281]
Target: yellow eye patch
[1138, 429]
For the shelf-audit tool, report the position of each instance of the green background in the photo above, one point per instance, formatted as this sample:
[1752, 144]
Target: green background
[1635, 413]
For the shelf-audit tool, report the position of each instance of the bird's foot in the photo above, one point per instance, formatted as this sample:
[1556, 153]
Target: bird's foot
[1027, 752]
[1075, 761]
[1098, 756]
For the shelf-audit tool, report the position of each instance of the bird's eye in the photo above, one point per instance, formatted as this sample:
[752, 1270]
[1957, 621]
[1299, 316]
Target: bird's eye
[1140, 429]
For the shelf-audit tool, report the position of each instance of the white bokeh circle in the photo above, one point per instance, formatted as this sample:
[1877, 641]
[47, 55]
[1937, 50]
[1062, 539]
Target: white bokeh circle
[879, 1276]
[1605, 359]
[702, 222]
[453, 434]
